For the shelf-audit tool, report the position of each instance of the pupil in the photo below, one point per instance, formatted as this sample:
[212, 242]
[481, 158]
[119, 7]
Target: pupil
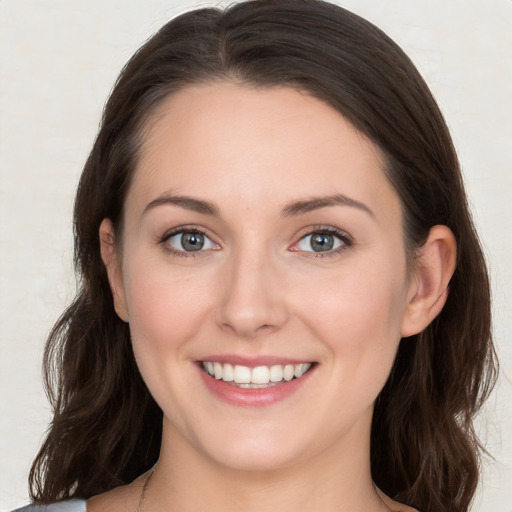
[192, 241]
[322, 242]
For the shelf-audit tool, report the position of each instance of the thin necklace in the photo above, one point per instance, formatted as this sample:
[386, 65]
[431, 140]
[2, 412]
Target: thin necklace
[378, 495]
[386, 505]
[144, 491]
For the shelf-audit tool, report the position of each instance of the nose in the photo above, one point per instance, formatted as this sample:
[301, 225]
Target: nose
[251, 300]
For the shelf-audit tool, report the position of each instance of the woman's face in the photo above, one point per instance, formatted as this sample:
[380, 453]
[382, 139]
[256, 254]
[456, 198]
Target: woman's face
[261, 234]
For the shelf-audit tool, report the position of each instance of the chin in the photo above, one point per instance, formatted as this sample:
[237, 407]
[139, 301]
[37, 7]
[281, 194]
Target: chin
[269, 458]
[261, 448]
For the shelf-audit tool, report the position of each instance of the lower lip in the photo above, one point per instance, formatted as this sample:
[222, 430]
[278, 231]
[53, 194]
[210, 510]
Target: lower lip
[253, 397]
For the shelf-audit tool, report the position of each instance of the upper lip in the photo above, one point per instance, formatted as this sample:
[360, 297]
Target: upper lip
[252, 361]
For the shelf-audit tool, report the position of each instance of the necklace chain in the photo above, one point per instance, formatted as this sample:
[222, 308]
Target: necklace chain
[144, 491]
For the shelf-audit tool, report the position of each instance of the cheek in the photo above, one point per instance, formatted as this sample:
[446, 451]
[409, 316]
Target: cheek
[166, 306]
[167, 309]
[358, 313]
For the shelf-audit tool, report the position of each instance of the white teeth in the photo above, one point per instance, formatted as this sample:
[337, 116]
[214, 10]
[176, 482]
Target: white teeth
[276, 373]
[288, 372]
[227, 373]
[260, 376]
[301, 369]
[217, 370]
[242, 374]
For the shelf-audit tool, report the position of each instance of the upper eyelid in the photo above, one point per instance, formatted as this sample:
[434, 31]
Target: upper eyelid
[162, 239]
[331, 230]
[347, 241]
[164, 242]
[185, 229]
[304, 232]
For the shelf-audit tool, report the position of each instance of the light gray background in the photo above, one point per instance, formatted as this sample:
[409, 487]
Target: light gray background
[58, 61]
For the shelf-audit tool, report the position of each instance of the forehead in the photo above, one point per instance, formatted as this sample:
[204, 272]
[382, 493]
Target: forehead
[225, 140]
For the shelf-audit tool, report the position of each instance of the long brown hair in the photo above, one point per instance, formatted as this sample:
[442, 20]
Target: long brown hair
[106, 428]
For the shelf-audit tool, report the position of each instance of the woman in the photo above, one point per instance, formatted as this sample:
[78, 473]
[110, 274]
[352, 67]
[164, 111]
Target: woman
[284, 303]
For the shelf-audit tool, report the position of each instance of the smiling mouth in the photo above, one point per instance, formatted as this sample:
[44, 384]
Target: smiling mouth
[257, 377]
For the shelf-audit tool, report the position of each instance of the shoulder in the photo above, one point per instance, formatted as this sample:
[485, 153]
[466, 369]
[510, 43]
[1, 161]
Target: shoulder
[63, 506]
[394, 506]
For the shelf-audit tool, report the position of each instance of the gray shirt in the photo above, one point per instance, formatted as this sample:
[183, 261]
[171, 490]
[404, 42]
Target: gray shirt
[63, 506]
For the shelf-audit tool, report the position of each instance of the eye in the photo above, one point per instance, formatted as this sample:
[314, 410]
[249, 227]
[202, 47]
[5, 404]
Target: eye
[322, 241]
[190, 241]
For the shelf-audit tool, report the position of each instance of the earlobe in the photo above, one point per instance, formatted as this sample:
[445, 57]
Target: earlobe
[110, 257]
[434, 267]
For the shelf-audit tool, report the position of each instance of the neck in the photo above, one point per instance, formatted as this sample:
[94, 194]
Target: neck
[337, 479]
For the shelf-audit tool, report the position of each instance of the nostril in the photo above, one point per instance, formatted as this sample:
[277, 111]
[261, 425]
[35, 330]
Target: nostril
[247, 331]
[266, 327]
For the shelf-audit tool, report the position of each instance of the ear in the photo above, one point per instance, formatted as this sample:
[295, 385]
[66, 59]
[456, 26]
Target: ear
[110, 257]
[434, 267]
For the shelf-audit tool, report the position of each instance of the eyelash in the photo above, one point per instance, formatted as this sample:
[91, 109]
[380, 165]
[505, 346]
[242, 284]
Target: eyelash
[345, 239]
[164, 242]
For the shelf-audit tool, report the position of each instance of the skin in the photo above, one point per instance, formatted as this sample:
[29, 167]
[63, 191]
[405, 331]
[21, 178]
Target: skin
[258, 288]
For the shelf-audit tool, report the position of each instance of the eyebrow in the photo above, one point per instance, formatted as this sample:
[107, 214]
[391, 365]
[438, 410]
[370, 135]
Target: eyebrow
[315, 203]
[189, 203]
[291, 209]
